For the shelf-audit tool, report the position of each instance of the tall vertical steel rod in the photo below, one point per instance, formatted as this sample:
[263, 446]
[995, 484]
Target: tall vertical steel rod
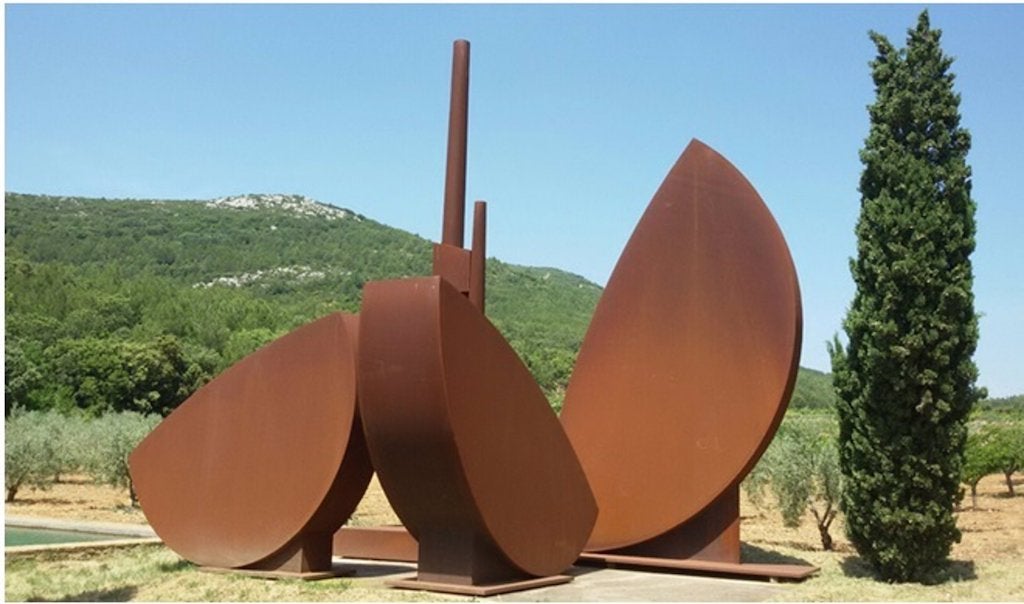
[455, 174]
[478, 255]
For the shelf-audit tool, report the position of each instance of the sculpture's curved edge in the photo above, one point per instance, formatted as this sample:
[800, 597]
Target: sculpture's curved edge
[311, 518]
[426, 354]
[405, 496]
[696, 146]
[354, 471]
[790, 383]
[516, 377]
[794, 364]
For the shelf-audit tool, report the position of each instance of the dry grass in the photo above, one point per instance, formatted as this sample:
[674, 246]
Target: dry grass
[154, 573]
[76, 497]
[988, 565]
[374, 509]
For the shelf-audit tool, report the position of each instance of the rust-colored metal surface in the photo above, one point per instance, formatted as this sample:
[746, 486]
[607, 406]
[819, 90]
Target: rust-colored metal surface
[467, 449]
[455, 171]
[478, 257]
[392, 543]
[712, 534]
[463, 269]
[708, 543]
[261, 466]
[480, 591]
[453, 264]
[774, 572]
[690, 359]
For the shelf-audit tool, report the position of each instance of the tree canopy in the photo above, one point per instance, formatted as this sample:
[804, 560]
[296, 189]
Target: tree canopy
[906, 379]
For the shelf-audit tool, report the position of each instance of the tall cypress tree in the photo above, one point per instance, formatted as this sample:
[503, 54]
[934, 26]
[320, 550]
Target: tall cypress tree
[906, 379]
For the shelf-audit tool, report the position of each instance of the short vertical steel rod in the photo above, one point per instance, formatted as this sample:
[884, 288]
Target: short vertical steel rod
[455, 173]
[478, 255]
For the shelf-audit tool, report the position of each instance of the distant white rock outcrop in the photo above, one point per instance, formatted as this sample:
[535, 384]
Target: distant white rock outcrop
[297, 273]
[297, 204]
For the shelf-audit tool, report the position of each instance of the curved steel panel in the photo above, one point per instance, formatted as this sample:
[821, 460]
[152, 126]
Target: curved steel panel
[690, 359]
[463, 440]
[261, 454]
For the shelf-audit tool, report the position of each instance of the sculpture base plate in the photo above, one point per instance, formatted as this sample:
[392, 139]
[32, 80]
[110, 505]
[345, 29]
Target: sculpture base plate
[391, 543]
[770, 572]
[335, 572]
[491, 589]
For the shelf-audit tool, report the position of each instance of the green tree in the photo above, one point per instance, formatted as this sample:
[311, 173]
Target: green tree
[978, 460]
[22, 376]
[105, 374]
[29, 452]
[243, 342]
[1006, 452]
[69, 436]
[906, 379]
[801, 470]
[115, 436]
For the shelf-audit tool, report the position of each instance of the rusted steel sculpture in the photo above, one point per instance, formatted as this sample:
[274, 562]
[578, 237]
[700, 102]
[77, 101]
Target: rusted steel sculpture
[686, 370]
[466, 446]
[259, 468]
[681, 382]
[463, 268]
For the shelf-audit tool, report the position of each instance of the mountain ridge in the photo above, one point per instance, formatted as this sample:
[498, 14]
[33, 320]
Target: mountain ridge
[222, 276]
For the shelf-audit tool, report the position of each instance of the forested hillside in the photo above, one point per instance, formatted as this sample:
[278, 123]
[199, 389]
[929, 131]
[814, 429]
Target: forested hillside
[133, 304]
[129, 304]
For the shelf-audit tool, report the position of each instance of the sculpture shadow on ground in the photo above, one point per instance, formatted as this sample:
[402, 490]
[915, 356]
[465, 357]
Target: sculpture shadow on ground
[752, 554]
[114, 594]
[954, 571]
[176, 566]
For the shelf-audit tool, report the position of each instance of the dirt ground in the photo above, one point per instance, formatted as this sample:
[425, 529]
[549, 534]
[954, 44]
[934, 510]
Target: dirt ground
[987, 565]
[994, 530]
[76, 497]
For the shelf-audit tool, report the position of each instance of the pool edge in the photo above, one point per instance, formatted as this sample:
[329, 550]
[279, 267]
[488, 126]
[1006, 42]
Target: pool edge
[122, 535]
[26, 550]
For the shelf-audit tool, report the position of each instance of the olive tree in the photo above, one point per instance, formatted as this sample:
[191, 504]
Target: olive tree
[801, 470]
[30, 452]
[114, 436]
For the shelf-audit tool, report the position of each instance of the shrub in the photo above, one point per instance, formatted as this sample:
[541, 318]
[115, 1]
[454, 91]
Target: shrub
[29, 453]
[70, 436]
[113, 437]
[978, 461]
[1006, 451]
[801, 470]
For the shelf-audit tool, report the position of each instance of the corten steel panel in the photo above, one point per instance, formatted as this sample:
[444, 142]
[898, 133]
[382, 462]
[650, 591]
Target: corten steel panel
[690, 359]
[393, 543]
[467, 449]
[267, 455]
[454, 264]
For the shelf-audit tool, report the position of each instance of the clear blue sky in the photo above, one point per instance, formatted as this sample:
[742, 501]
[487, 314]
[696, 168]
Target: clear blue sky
[577, 113]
